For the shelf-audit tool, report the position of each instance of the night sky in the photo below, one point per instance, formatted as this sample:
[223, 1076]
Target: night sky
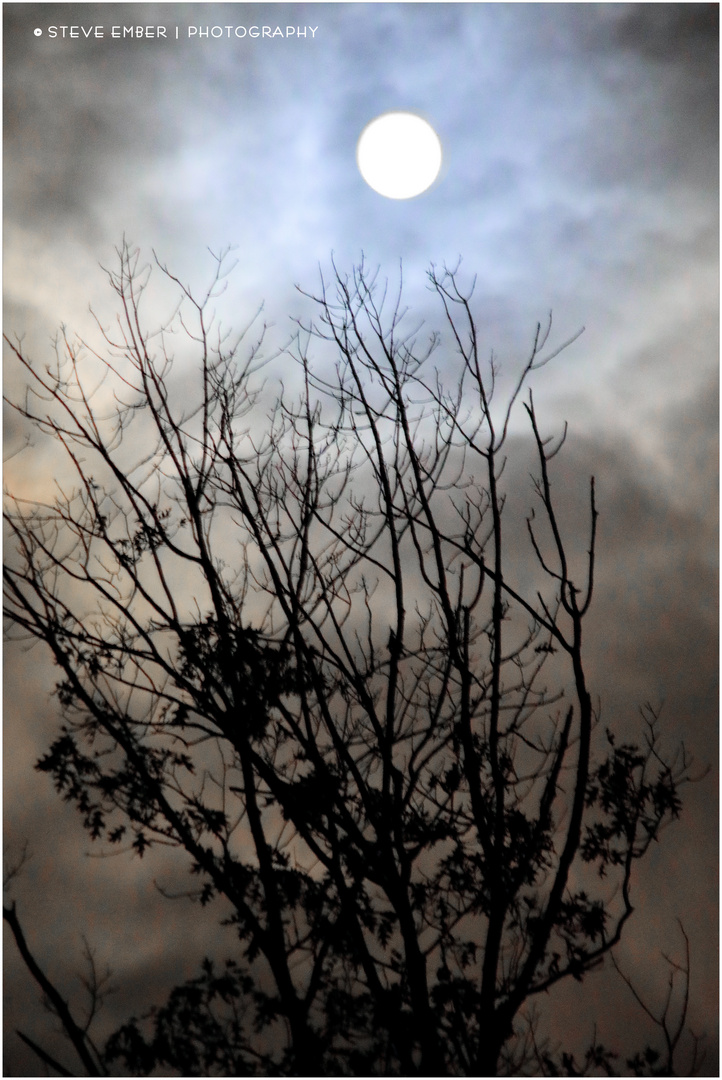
[580, 175]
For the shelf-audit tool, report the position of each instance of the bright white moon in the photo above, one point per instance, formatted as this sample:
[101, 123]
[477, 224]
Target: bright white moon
[399, 155]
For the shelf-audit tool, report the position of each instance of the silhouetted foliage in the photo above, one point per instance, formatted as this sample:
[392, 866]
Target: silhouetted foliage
[297, 649]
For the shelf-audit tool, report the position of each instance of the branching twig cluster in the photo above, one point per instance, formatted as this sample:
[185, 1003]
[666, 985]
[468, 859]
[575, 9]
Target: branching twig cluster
[297, 651]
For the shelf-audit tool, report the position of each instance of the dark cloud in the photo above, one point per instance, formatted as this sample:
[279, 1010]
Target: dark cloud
[668, 32]
[64, 137]
[669, 51]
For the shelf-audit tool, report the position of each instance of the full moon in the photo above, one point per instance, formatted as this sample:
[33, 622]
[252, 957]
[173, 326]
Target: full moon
[399, 155]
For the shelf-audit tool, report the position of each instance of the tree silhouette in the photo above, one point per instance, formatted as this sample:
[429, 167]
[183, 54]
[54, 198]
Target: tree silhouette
[308, 653]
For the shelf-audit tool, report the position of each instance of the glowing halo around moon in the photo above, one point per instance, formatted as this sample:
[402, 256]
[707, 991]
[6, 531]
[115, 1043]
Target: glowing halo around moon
[399, 155]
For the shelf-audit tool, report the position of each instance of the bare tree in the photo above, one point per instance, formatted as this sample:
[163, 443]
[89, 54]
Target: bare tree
[300, 653]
